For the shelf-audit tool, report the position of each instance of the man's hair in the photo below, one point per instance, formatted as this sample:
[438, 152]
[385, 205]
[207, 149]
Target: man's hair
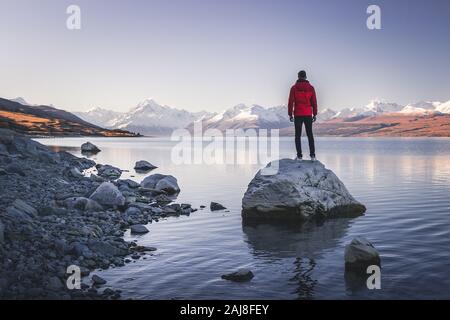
[302, 74]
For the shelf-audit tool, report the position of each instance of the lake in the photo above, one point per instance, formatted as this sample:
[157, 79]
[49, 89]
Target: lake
[404, 183]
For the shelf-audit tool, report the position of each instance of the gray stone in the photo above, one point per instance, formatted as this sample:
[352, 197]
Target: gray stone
[144, 166]
[360, 254]
[89, 147]
[242, 275]
[25, 207]
[108, 195]
[54, 284]
[108, 171]
[74, 172]
[139, 229]
[84, 204]
[214, 206]
[133, 211]
[96, 178]
[161, 182]
[106, 249]
[97, 280]
[298, 190]
[2, 232]
[129, 183]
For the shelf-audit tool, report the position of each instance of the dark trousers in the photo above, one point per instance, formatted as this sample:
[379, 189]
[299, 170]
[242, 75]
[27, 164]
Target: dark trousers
[299, 121]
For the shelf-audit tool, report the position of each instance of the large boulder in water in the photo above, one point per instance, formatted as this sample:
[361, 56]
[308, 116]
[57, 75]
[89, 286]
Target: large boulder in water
[298, 190]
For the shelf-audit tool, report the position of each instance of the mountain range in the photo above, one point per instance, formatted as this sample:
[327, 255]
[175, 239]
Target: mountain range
[151, 118]
[20, 116]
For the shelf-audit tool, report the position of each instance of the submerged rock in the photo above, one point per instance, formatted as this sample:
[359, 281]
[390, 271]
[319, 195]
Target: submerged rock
[108, 195]
[144, 166]
[97, 280]
[89, 147]
[241, 275]
[360, 254]
[298, 190]
[161, 182]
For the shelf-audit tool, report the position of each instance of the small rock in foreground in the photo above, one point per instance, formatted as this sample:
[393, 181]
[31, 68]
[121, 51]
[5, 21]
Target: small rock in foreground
[360, 254]
[242, 275]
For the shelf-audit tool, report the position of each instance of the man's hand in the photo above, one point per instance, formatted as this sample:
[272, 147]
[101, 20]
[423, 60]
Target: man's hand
[314, 119]
[291, 118]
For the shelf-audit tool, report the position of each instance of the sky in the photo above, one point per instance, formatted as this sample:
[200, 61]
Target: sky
[211, 54]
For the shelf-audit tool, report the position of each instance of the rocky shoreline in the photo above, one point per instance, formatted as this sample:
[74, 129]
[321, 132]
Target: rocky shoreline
[52, 216]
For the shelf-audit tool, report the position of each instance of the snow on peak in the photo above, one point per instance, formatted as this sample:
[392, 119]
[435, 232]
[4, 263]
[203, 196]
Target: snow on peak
[21, 100]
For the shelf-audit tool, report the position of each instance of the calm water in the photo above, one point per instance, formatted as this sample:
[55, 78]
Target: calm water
[405, 184]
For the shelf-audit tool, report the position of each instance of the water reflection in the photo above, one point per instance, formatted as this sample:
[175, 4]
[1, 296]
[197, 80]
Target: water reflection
[304, 243]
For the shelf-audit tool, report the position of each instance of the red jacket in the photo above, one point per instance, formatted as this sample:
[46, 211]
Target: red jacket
[302, 99]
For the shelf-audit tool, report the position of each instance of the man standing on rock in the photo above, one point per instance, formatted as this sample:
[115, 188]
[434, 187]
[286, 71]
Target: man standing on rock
[302, 109]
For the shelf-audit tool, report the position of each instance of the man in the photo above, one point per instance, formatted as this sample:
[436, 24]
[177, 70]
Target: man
[302, 109]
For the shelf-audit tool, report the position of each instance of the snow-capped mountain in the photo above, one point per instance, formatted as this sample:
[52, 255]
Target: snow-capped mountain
[242, 116]
[151, 118]
[148, 118]
[99, 116]
[20, 100]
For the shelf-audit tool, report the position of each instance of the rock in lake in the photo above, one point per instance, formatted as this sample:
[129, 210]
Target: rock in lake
[241, 275]
[97, 280]
[89, 147]
[214, 206]
[298, 190]
[161, 182]
[360, 254]
[144, 166]
[108, 195]
[139, 229]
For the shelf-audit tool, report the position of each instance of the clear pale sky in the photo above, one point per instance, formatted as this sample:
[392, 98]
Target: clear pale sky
[211, 54]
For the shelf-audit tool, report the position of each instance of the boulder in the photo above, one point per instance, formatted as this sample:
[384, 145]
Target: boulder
[24, 207]
[214, 206]
[144, 166]
[83, 204]
[298, 190]
[75, 173]
[360, 254]
[241, 275]
[89, 147]
[139, 229]
[108, 195]
[161, 182]
[108, 172]
[97, 280]
[129, 183]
